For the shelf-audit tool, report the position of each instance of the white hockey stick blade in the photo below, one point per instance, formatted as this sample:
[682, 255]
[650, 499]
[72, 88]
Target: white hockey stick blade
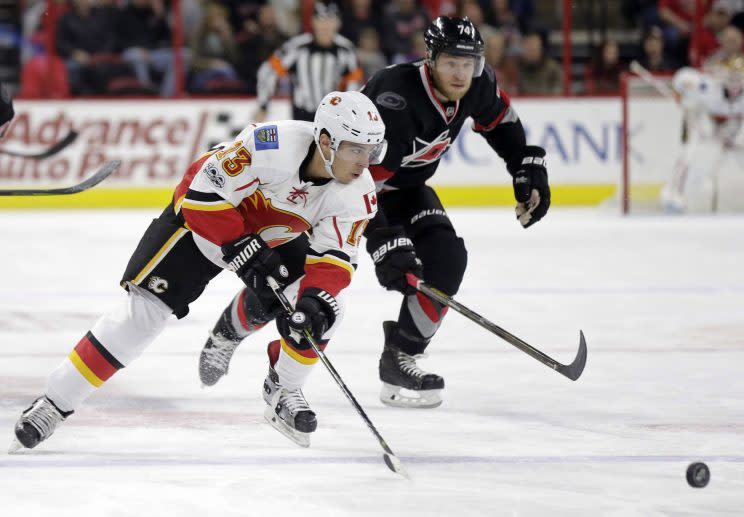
[394, 464]
[102, 173]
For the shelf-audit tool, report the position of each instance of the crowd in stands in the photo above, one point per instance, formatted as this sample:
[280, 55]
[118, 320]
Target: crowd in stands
[110, 47]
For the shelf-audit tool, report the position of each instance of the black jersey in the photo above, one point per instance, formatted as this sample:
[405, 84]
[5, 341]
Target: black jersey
[420, 128]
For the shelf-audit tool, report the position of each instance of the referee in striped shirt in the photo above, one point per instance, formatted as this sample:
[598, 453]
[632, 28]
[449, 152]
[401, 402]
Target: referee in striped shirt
[317, 63]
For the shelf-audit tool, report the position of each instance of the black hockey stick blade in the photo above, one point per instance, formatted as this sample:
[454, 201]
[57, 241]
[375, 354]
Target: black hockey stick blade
[102, 173]
[572, 371]
[67, 140]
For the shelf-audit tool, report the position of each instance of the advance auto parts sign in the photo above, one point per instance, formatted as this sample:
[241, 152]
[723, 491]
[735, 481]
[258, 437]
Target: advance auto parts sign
[156, 139]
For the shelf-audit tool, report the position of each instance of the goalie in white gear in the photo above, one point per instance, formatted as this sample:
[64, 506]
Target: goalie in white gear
[244, 206]
[713, 106]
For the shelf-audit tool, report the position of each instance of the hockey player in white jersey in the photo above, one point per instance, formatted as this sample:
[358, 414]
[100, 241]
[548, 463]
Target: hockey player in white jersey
[713, 106]
[245, 206]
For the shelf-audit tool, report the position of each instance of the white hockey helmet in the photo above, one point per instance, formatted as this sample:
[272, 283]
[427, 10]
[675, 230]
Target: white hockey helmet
[350, 117]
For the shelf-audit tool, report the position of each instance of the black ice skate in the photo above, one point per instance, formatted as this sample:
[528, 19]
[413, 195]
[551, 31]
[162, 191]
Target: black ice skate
[215, 357]
[399, 371]
[37, 424]
[287, 411]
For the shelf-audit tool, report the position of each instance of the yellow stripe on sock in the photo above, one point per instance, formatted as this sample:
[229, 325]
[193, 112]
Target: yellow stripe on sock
[291, 352]
[84, 370]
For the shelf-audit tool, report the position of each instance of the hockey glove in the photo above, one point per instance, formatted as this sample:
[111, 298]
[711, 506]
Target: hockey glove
[253, 260]
[316, 312]
[531, 189]
[394, 255]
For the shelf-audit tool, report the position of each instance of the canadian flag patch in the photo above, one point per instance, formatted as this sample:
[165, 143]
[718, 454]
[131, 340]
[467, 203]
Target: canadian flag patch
[370, 201]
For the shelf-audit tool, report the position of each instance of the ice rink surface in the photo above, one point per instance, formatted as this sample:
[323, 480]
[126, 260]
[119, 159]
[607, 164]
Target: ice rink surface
[661, 301]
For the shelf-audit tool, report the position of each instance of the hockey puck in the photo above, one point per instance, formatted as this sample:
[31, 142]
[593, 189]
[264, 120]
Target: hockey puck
[698, 475]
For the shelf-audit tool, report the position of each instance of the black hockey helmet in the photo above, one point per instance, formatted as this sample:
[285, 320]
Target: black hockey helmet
[457, 36]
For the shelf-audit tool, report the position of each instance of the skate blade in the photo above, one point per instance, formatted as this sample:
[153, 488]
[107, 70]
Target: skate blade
[301, 439]
[425, 399]
[15, 446]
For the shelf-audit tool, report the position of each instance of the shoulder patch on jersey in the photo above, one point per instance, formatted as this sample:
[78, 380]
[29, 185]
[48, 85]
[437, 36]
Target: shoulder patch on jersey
[391, 100]
[370, 202]
[214, 176]
[266, 137]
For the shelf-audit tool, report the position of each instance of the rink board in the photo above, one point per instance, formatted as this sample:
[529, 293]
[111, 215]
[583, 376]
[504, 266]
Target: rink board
[157, 139]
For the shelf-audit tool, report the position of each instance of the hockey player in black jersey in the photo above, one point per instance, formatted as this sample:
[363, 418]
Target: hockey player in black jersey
[424, 105]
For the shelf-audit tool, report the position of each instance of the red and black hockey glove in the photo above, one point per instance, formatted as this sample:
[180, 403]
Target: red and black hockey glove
[530, 181]
[316, 312]
[394, 255]
[253, 260]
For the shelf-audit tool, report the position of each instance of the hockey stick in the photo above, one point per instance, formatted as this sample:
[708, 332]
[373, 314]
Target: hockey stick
[67, 140]
[102, 173]
[572, 371]
[648, 77]
[391, 460]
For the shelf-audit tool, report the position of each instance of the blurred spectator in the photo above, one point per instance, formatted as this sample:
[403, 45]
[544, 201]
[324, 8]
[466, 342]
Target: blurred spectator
[403, 19]
[288, 14]
[40, 81]
[418, 50]
[653, 57]
[717, 19]
[214, 52]
[503, 66]
[537, 74]
[604, 73]
[86, 40]
[731, 47]
[241, 11]
[677, 17]
[259, 37]
[299, 58]
[360, 15]
[145, 37]
[371, 58]
[506, 14]
[473, 10]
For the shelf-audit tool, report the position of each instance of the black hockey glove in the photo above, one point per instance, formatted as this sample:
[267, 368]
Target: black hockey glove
[316, 312]
[253, 260]
[394, 256]
[531, 189]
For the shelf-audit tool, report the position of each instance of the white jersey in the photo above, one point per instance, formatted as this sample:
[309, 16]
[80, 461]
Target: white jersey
[709, 111]
[255, 185]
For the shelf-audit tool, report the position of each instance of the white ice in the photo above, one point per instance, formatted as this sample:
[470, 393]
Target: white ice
[661, 301]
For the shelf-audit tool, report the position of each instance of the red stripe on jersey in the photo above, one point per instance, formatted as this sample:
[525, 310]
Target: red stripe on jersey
[247, 185]
[94, 360]
[488, 127]
[188, 177]
[338, 233]
[217, 226]
[327, 276]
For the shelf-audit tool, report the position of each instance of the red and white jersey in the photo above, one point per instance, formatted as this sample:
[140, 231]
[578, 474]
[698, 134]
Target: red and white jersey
[253, 185]
[710, 111]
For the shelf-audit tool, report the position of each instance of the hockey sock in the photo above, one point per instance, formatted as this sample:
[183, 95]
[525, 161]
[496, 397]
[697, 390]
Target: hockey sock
[115, 340]
[293, 365]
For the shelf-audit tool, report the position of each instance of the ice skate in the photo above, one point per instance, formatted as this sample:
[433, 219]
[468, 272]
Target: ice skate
[404, 384]
[215, 357]
[287, 411]
[37, 424]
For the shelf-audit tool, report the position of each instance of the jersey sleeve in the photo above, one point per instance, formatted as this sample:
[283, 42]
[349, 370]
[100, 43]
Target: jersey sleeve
[496, 120]
[223, 179]
[688, 84]
[334, 245]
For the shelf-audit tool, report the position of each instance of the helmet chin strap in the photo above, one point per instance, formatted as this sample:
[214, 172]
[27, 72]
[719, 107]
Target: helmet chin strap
[328, 163]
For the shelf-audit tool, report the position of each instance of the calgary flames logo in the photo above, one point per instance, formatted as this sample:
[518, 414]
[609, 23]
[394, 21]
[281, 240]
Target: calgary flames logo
[274, 225]
[335, 100]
